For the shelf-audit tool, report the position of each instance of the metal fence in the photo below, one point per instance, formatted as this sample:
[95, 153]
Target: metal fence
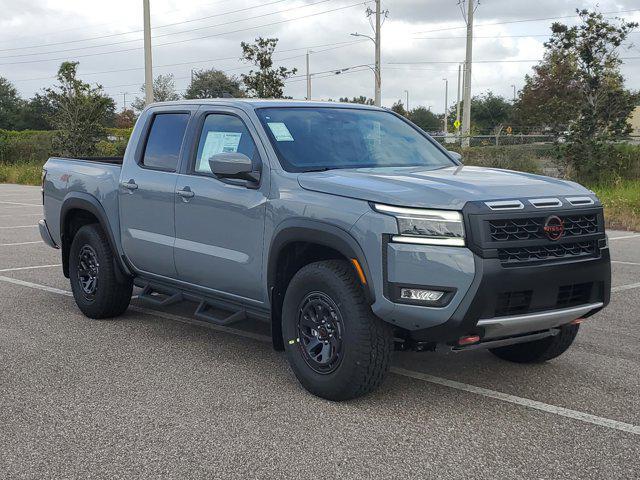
[498, 140]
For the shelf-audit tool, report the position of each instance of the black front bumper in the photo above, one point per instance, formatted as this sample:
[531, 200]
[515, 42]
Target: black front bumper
[544, 286]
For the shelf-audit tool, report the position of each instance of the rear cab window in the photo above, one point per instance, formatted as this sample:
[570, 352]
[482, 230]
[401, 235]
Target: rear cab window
[164, 141]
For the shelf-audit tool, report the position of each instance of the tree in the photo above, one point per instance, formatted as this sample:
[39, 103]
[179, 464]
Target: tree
[425, 119]
[36, 113]
[125, 119]
[398, 107]
[489, 112]
[10, 105]
[267, 82]
[603, 104]
[213, 84]
[164, 90]
[362, 100]
[80, 113]
[550, 98]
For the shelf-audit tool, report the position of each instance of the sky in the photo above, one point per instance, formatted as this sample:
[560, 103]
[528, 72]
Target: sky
[423, 41]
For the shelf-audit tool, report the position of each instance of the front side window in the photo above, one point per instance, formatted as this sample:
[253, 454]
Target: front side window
[164, 142]
[223, 133]
[322, 138]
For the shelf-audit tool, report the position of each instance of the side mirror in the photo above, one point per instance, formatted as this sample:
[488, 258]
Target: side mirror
[233, 165]
[455, 155]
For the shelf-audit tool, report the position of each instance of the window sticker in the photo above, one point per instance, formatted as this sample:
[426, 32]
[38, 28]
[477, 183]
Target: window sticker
[217, 142]
[280, 131]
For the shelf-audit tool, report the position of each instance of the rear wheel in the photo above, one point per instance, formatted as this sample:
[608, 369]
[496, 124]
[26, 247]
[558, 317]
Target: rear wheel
[336, 347]
[541, 350]
[97, 290]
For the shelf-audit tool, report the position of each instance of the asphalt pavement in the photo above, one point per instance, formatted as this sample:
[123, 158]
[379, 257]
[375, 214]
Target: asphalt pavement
[155, 394]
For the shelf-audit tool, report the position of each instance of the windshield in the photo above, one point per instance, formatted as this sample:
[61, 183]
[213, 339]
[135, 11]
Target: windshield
[322, 138]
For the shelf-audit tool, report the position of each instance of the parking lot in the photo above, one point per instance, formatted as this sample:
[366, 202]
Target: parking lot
[156, 394]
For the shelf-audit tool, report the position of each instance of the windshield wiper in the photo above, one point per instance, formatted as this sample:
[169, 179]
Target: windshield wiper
[319, 169]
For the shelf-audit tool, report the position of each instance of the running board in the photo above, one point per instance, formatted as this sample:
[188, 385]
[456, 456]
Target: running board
[158, 298]
[209, 310]
[210, 313]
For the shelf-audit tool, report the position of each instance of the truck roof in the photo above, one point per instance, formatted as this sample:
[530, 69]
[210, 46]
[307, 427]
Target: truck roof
[254, 103]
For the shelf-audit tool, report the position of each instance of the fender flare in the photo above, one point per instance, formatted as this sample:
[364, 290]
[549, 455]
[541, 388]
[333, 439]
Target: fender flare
[322, 233]
[88, 203]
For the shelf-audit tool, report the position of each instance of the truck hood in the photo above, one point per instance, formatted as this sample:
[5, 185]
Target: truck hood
[447, 188]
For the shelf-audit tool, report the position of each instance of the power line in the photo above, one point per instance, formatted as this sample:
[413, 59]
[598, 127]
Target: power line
[486, 61]
[522, 21]
[195, 38]
[159, 36]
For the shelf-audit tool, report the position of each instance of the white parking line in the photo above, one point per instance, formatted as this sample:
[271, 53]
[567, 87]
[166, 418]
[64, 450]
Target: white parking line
[484, 392]
[20, 215]
[19, 243]
[17, 269]
[625, 237]
[19, 203]
[625, 263]
[21, 226]
[623, 288]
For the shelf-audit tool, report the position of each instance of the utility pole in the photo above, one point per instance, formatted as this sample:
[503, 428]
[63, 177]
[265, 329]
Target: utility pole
[308, 78]
[458, 101]
[446, 105]
[466, 103]
[148, 66]
[514, 93]
[377, 42]
[124, 100]
[407, 92]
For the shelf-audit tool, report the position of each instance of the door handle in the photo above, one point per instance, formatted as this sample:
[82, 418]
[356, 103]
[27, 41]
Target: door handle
[130, 185]
[185, 193]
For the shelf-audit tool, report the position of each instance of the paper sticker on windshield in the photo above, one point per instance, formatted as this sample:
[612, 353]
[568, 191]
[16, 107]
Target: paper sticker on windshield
[280, 131]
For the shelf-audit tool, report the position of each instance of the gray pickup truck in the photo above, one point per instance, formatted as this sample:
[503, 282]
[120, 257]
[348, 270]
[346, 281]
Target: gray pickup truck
[346, 227]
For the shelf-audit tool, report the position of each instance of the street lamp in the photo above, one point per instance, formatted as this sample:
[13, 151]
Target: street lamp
[376, 70]
[514, 93]
[446, 101]
[407, 92]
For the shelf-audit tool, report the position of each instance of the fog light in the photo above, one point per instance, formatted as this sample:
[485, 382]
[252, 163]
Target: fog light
[420, 295]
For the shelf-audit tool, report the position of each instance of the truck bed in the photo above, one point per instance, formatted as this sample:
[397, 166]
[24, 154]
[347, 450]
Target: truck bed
[96, 177]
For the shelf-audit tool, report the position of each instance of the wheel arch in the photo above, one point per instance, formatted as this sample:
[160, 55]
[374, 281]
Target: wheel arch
[79, 209]
[326, 241]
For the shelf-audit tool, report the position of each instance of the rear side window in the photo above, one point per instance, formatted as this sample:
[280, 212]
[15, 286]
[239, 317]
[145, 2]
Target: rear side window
[165, 141]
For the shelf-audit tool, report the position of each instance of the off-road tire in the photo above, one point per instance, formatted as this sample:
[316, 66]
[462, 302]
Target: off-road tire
[367, 342]
[541, 350]
[112, 292]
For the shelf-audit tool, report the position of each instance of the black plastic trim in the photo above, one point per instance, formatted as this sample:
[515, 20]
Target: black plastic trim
[84, 201]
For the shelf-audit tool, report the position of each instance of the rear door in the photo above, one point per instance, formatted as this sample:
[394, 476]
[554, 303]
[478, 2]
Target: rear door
[220, 225]
[147, 191]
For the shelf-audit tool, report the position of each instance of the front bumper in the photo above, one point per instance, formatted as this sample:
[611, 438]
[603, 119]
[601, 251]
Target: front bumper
[483, 312]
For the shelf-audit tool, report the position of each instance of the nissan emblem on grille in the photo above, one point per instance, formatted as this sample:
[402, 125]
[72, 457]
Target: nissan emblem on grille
[553, 227]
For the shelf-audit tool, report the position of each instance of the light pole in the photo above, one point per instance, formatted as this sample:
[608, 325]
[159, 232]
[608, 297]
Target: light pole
[148, 67]
[407, 92]
[458, 101]
[376, 70]
[338, 72]
[514, 93]
[308, 77]
[446, 104]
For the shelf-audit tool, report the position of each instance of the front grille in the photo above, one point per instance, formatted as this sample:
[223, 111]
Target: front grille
[545, 253]
[574, 295]
[517, 229]
[513, 303]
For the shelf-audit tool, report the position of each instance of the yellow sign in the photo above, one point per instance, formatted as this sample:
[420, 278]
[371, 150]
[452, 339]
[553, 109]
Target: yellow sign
[509, 130]
[456, 124]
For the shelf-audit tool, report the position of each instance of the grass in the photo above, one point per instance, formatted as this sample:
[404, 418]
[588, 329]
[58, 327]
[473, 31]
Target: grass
[621, 202]
[23, 173]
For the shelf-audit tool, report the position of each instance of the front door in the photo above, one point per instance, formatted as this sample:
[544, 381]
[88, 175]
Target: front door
[147, 194]
[220, 224]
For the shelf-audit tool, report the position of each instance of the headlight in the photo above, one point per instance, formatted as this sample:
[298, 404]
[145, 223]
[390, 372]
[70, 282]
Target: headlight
[427, 227]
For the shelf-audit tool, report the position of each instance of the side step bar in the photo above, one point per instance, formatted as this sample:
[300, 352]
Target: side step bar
[208, 310]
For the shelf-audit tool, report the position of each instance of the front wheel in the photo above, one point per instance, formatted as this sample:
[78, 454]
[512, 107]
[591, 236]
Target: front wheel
[97, 290]
[336, 347]
[541, 350]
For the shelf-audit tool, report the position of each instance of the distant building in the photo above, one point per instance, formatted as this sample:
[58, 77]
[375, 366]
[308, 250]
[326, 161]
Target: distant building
[634, 120]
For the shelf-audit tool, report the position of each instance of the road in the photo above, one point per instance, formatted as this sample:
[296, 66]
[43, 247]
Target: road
[158, 395]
